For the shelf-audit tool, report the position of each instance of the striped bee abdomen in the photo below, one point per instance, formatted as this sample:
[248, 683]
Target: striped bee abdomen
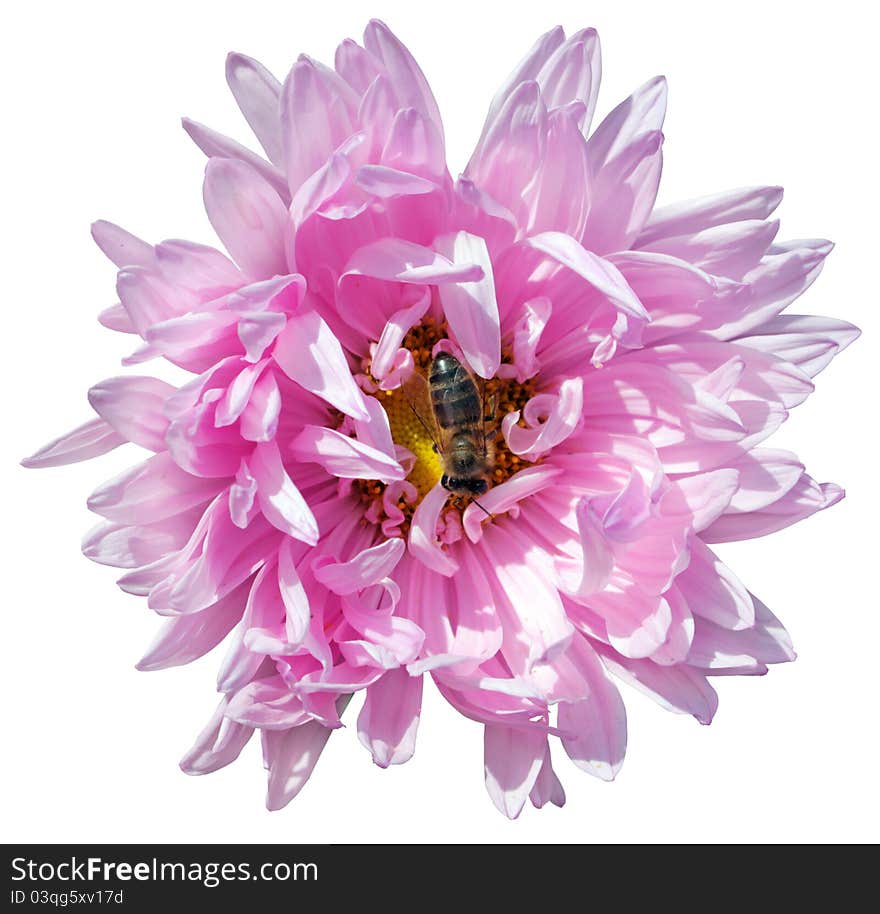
[454, 395]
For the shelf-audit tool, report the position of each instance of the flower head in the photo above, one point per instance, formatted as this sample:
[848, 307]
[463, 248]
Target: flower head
[484, 429]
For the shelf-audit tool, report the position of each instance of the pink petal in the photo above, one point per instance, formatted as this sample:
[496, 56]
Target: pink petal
[268, 704]
[237, 394]
[551, 419]
[257, 92]
[510, 151]
[89, 440]
[396, 260]
[724, 250]
[124, 546]
[389, 719]
[535, 619]
[705, 212]
[343, 456]
[783, 275]
[134, 407]
[713, 591]
[513, 761]
[547, 787]
[414, 144]
[297, 611]
[399, 324]
[280, 500]
[597, 724]
[470, 307]
[501, 498]
[259, 419]
[572, 74]
[216, 145]
[218, 745]
[317, 109]
[623, 194]
[151, 491]
[423, 542]
[526, 70]
[116, 318]
[680, 688]
[186, 638]
[368, 567]
[803, 499]
[291, 756]
[708, 495]
[642, 112]
[309, 353]
[599, 273]
[243, 504]
[527, 337]
[410, 85]
[560, 194]
[806, 341]
[591, 573]
[121, 247]
[384, 182]
[248, 216]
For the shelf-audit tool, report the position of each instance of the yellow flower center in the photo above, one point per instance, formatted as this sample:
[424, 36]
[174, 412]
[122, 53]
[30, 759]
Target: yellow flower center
[407, 430]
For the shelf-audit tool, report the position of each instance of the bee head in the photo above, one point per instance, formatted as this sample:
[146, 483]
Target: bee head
[472, 486]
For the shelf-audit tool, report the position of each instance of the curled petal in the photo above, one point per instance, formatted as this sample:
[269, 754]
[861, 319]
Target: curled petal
[423, 542]
[399, 324]
[593, 570]
[368, 567]
[551, 420]
[500, 499]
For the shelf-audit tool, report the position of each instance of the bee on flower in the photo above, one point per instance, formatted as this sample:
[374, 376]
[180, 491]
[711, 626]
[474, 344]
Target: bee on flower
[484, 429]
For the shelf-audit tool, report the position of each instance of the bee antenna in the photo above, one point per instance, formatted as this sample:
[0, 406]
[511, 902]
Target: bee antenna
[490, 516]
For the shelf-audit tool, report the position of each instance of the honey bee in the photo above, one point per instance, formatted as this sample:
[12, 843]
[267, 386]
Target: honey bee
[456, 423]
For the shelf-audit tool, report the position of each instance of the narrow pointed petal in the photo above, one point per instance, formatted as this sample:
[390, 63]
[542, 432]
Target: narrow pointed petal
[257, 93]
[86, 441]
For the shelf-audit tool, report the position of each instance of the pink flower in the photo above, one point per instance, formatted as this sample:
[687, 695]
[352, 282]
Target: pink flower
[633, 360]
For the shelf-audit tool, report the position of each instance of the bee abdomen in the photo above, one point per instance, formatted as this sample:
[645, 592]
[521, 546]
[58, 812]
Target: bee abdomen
[454, 396]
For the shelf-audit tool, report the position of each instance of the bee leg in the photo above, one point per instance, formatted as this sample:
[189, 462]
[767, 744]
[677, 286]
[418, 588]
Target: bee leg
[492, 434]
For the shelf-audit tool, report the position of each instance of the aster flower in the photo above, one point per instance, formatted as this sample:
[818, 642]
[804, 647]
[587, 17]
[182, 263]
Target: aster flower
[634, 361]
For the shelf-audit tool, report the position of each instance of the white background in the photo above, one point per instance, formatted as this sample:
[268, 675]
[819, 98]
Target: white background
[759, 93]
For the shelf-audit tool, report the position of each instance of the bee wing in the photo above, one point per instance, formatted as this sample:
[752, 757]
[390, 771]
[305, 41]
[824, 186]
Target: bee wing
[488, 408]
[418, 396]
